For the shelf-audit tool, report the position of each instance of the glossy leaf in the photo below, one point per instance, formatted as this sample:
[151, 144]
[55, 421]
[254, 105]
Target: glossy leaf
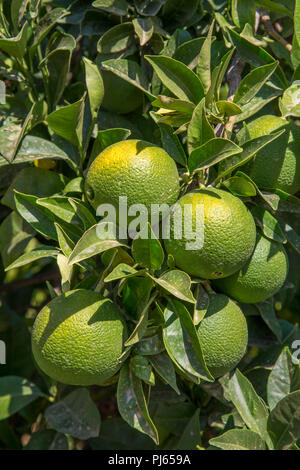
[90, 244]
[132, 404]
[249, 405]
[238, 439]
[284, 421]
[269, 224]
[178, 78]
[67, 122]
[212, 152]
[31, 256]
[182, 341]
[199, 130]
[15, 394]
[148, 252]
[284, 378]
[240, 186]
[177, 283]
[164, 367]
[76, 414]
[253, 82]
[172, 145]
[129, 71]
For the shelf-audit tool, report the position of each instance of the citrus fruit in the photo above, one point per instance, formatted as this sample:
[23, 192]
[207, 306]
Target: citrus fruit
[261, 277]
[45, 163]
[78, 338]
[223, 335]
[276, 166]
[120, 96]
[143, 172]
[229, 234]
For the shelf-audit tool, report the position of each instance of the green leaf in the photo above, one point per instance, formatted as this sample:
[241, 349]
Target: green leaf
[253, 82]
[15, 236]
[94, 84]
[117, 7]
[267, 312]
[148, 251]
[243, 12]
[178, 78]
[67, 122]
[120, 272]
[289, 104]
[38, 217]
[182, 341]
[116, 39]
[129, 71]
[47, 439]
[239, 439]
[15, 394]
[16, 46]
[38, 253]
[76, 414]
[83, 213]
[240, 186]
[283, 379]
[268, 224]
[191, 436]
[37, 180]
[36, 148]
[177, 283]
[203, 69]
[212, 152]
[141, 367]
[165, 369]
[166, 102]
[132, 404]
[249, 405]
[56, 66]
[257, 56]
[46, 23]
[172, 145]
[151, 345]
[109, 137]
[227, 108]
[201, 305]
[189, 52]
[61, 208]
[297, 21]
[217, 78]
[292, 237]
[199, 130]
[276, 7]
[141, 326]
[144, 29]
[284, 421]
[90, 244]
[250, 149]
[17, 10]
[65, 242]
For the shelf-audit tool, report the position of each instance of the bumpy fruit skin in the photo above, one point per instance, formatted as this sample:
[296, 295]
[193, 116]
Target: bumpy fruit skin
[223, 335]
[120, 96]
[78, 338]
[229, 235]
[278, 164]
[144, 173]
[261, 277]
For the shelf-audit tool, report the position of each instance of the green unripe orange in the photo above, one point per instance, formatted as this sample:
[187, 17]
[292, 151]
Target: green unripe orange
[229, 234]
[78, 338]
[139, 170]
[276, 166]
[261, 277]
[223, 335]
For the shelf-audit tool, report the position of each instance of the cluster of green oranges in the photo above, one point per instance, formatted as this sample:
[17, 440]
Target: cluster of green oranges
[78, 338]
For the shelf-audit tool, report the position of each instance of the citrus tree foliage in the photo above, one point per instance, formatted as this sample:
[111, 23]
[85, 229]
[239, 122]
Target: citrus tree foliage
[204, 69]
